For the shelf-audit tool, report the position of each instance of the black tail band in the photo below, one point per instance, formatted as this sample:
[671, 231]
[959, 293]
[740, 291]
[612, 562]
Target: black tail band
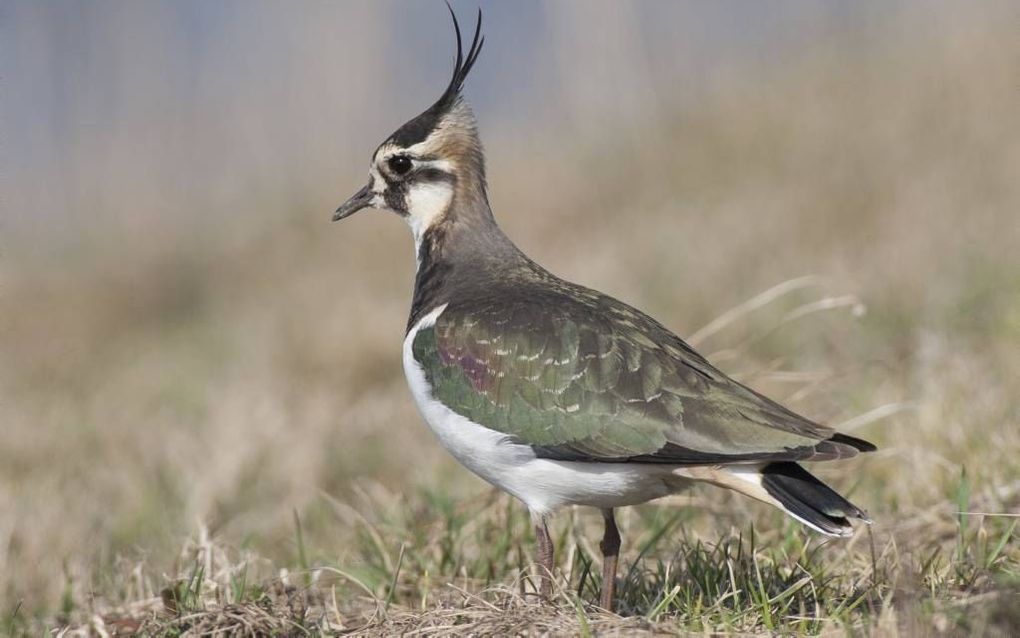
[808, 499]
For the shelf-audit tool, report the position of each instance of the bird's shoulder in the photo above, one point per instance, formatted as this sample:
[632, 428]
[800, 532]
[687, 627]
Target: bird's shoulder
[581, 323]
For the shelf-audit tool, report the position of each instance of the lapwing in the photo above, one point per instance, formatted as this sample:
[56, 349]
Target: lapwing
[557, 393]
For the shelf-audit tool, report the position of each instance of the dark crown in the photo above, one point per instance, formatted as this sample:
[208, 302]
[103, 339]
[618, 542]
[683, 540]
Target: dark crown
[419, 128]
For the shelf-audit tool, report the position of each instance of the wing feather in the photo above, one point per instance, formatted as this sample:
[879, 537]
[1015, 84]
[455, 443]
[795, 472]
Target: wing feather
[585, 377]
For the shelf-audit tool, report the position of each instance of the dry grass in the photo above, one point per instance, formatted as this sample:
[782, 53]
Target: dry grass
[205, 425]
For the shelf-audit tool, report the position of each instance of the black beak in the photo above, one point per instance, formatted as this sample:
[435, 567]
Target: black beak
[357, 201]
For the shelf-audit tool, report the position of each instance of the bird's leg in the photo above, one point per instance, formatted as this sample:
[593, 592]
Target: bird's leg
[544, 553]
[610, 547]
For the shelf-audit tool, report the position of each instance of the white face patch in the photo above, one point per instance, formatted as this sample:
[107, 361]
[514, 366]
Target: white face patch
[426, 204]
[378, 183]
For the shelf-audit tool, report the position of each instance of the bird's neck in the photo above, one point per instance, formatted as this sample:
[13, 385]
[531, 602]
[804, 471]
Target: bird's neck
[462, 252]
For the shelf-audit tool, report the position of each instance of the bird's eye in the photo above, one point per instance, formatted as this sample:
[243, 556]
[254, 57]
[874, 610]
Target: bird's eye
[400, 164]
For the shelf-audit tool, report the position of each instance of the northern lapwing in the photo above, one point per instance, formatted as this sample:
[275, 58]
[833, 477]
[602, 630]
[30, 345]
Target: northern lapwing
[556, 393]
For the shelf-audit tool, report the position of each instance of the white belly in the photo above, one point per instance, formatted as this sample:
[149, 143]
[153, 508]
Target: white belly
[542, 484]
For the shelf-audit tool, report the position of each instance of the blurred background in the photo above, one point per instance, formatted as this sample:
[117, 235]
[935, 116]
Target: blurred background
[187, 342]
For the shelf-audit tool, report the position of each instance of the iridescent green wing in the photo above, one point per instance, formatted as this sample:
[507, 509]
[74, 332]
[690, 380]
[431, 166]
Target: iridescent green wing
[585, 377]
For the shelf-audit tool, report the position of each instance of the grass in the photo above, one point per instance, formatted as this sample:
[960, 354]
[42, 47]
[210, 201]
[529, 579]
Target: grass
[206, 428]
[782, 580]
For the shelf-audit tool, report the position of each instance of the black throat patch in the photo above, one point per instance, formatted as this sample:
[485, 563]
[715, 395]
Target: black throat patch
[431, 275]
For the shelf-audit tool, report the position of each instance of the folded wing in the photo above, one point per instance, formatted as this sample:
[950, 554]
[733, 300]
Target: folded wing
[584, 377]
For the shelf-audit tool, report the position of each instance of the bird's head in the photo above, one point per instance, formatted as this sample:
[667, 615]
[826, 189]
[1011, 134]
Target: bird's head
[430, 161]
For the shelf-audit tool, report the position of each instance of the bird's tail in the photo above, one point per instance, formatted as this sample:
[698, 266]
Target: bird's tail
[789, 487]
[808, 500]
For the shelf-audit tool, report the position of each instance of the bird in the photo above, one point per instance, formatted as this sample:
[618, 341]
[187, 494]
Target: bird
[556, 393]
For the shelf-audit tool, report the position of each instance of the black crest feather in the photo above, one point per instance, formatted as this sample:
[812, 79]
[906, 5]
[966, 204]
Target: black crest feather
[464, 64]
[419, 128]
